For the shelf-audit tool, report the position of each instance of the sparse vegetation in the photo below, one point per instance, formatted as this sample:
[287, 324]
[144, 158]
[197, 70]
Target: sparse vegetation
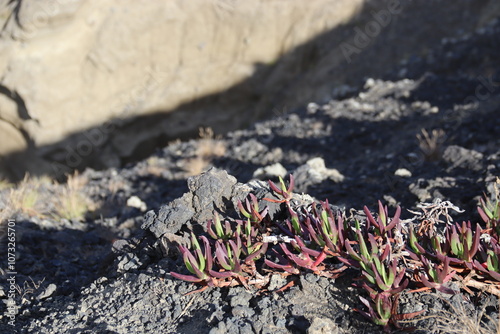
[24, 197]
[153, 167]
[208, 147]
[72, 204]
[4, 184]
[431, 144]
[388, 254]
[458, 321]
[67, 200]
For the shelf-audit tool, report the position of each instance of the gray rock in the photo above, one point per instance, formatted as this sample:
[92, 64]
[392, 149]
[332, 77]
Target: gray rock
[320, 325]
[171, 217]
[402, 172]
[242, 311]
[208, 192]
[314, 172]
[459, 157]
[127, 262]
[211, 190]
[49, 291]
[270, 172]
[240, 297]
[276, 282]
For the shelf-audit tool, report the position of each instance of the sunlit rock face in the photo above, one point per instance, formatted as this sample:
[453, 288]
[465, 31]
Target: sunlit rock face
[99, 83]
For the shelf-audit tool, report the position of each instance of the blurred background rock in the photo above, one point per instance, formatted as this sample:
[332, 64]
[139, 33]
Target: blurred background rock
[102, 83]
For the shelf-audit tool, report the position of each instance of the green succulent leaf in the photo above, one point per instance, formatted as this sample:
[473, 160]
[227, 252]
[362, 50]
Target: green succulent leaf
[362, 246]
[197, 249]
[189, 261]
[383, 306]
[492, 262]
[352, 252]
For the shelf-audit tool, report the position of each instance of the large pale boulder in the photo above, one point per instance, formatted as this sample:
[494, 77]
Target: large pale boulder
[100, 82]
[67, 66]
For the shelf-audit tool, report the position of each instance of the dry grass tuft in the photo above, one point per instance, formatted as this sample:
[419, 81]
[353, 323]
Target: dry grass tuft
[153, 167]
[25, 197]
[4, 184]
[209, 147]
[196, 165]
[459, 321]
[431, 144]
[43, 198]
[72, 204]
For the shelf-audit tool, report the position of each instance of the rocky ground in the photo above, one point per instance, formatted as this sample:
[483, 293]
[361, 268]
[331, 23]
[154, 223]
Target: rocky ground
[429, 129]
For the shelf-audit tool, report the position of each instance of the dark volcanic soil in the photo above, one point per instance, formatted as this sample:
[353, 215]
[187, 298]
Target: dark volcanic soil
[109, 274]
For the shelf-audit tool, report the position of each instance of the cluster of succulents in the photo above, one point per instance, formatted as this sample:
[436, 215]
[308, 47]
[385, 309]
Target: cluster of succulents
[388, 254]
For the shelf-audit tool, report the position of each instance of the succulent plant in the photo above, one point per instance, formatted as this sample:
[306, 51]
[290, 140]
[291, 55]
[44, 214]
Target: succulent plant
[490, 214]
[223, 232]
[198, 264]
[491, 265]
[434, 276]
[386, 276]
[364, 256]
[215, 268]
[383, 226]
[318, 239]
[413, 243]
[379, 309]
[282, 192]
[284, 263]
[251, 209]
[463, 241]
[294, 223]
[306, 258]
[228, 256]
[382, 310]
[248, 241]
[327, 229]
